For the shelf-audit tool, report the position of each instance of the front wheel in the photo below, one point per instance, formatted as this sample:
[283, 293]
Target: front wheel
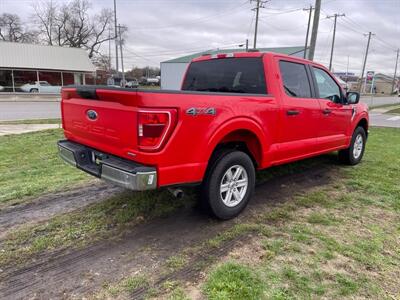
[355, 152]
[229, 184]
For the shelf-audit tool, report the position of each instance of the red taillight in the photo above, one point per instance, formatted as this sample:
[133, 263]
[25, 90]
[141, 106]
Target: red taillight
[154, 127]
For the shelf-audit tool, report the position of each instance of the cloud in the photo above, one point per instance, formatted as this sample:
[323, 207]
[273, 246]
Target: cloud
[163, 29]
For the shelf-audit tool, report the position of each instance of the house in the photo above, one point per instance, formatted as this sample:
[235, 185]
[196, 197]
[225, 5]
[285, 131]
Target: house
[22, 64]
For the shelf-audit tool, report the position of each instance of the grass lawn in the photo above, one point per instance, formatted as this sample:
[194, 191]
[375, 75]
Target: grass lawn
[341, 240]
[394, 111]
[29, 166]
[35, 121]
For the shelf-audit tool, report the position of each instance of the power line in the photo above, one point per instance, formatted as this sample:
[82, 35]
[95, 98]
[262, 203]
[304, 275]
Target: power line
[260, 4]
[335, 16]
[198, 20]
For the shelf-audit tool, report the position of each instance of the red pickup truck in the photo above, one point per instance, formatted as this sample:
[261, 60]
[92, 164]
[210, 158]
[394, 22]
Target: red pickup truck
[236, 113]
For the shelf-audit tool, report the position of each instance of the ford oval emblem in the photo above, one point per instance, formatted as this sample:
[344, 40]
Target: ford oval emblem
[91, 114]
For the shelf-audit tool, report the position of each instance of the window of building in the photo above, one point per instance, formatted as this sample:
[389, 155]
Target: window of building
[25, 81]
[295, 79]
[90, 79]
[68, 78]
[6, 84]
[53, 78]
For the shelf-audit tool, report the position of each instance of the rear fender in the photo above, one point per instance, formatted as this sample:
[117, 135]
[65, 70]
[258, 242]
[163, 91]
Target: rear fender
[239, 124]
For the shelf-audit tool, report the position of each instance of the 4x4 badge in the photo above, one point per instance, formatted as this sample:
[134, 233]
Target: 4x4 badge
[195, 111]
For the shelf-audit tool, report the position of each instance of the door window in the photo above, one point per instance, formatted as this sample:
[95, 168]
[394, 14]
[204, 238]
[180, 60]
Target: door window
[327, 87]
[295, 79]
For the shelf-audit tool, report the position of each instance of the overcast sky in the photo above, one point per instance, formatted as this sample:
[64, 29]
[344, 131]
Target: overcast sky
[163, 29]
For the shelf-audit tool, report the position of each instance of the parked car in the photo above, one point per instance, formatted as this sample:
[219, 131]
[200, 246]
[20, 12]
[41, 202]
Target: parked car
[150, 81]
[132, 84]
[40, 87]
[236, 113]
[1, 88]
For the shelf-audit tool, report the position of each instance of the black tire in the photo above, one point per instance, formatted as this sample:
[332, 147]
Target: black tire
[210, 190]
[348, 156]
[34, 91]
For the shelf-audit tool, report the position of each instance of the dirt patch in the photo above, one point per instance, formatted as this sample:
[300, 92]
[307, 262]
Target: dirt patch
[146, 247]
[47, 206]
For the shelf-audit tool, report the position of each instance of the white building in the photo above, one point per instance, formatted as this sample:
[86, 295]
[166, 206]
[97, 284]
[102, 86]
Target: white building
[24, 64]
[173, 71]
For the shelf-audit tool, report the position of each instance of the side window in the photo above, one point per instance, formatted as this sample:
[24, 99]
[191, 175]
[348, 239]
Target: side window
[327, 87]
[295, 79]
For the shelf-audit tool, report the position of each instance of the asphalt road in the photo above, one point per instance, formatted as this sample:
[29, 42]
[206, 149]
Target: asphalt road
[384, 120]
[29, 110]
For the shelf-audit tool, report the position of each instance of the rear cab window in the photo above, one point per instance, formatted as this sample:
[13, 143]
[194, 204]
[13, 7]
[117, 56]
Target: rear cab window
[295, 79]
[227, 75]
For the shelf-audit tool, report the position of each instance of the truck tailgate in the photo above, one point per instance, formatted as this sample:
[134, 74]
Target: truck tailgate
[108, 122]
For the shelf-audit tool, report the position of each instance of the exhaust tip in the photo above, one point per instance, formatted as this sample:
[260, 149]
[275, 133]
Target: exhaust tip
[177, 193]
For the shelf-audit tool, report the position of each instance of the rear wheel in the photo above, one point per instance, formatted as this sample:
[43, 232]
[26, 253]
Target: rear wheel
[355, 152]
[34, 91]
[229, 184]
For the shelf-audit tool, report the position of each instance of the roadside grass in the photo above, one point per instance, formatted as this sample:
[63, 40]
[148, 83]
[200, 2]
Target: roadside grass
[394, 111]
[29, 166]
[33, 121]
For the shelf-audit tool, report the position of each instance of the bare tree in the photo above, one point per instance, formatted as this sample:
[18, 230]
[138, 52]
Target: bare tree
[72, 25]
[11, 29]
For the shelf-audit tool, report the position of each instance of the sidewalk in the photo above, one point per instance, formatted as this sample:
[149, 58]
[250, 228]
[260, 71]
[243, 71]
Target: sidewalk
[24, 128]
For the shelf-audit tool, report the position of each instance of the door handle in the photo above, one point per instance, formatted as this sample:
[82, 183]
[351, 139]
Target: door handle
[326, 111]
[292, 112]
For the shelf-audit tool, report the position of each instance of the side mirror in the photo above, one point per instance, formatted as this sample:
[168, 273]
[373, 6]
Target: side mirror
[353, 97]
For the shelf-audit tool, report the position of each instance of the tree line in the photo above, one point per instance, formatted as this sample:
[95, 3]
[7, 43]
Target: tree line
[70, 25]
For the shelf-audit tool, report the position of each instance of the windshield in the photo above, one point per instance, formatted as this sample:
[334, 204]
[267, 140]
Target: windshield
[228, 75]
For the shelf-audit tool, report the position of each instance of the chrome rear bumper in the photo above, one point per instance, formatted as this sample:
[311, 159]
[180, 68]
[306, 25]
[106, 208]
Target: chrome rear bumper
[121, 172]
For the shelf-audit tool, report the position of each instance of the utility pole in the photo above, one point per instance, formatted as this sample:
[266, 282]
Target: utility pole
[365, 59]
[109, 51]
[247, 45]
[260, 4]
[333, 38]
[116, 36]
[308, 28]
[395, 70]
[122, 56]
[314, 32]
